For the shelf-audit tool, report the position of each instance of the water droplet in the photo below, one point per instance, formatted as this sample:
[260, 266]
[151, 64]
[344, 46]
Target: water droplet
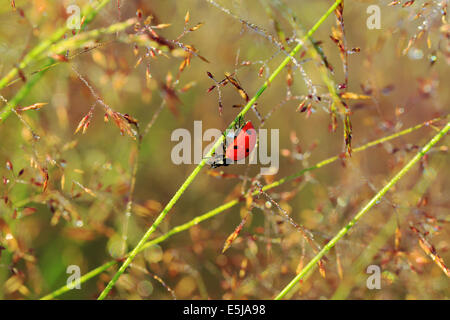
[415, 54]
[153, 254]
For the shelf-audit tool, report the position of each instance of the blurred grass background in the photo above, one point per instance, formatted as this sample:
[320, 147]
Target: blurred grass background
[405, 91]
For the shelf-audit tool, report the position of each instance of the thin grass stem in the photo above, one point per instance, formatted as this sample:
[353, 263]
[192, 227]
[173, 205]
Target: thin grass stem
[194, 173]
[89, 12]
[310, 266]
[232, 203]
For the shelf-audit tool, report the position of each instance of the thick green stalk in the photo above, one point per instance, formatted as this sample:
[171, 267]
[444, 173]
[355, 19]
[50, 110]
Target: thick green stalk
[356, 273]
[161, 238]
[309, 267]
[88, 12]
[357, 270]
[232, 203]
[315, 52]
[194, 173]
[23, 92]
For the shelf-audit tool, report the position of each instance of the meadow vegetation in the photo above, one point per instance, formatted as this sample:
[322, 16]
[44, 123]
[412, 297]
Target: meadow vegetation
[87, 180]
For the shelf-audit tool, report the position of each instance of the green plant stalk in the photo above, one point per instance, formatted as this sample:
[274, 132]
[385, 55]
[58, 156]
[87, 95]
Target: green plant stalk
[148, 244]
[310, 266]
[372, 249]
[317, 55]
[357, 267]
[194, 173]
[23, 92]
[315, 52]
[230, 204]
[88, 12]
[81, 39]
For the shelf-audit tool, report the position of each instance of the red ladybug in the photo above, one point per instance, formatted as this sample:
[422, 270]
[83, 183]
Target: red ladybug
[243, 144]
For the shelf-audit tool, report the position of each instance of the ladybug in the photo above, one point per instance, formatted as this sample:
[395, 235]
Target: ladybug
[243, 144]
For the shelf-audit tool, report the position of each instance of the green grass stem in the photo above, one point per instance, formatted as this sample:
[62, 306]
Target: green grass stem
[310, 266]
[232, 203]
[194, 173]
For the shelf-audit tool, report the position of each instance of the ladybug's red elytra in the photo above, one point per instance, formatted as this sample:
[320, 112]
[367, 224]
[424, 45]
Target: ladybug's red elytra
[243, 144]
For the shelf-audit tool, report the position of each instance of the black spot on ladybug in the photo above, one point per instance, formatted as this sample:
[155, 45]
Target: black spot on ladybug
[247, 150]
